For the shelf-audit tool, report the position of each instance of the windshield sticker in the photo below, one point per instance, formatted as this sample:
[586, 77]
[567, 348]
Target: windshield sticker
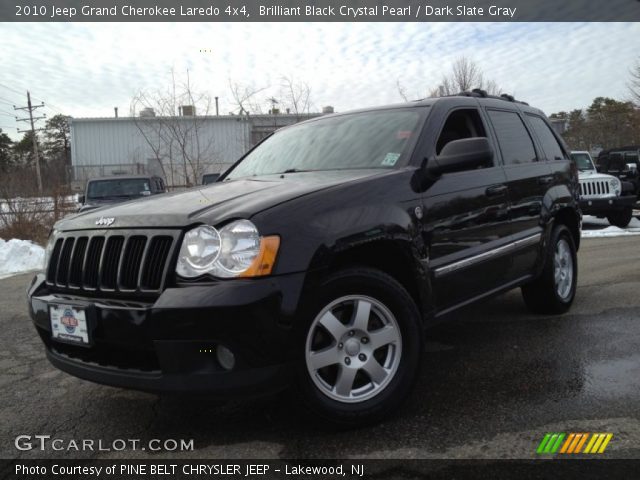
[390, 159]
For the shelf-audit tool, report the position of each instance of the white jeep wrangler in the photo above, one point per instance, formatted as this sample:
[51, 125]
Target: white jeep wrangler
[602, 195]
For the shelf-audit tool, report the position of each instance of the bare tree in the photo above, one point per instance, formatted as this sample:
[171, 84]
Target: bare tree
[176, 138]
[634, 82]
[245, 97]
[296, 96]
[465, 75]
[402, 91]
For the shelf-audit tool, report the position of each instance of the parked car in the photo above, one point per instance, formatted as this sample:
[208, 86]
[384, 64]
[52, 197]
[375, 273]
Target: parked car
[320, 258]
[120, 188]
[208, 178]
[602, 195]
[622, 162]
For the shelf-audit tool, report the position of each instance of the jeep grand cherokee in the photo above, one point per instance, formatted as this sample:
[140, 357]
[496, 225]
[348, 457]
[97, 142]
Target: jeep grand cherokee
[318, 260]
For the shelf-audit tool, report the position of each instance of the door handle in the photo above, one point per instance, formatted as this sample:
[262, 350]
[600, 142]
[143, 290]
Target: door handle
[545, 180]
[496, 191]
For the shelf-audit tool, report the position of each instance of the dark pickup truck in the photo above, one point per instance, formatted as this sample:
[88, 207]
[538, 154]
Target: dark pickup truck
[109, 190]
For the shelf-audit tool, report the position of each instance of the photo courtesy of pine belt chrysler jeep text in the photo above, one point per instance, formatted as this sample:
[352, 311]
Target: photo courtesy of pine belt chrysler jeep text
[320, 258]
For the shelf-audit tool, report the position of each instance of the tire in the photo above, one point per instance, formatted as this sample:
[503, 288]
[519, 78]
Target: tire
[379, 360]
[545, 294]
[620, 219]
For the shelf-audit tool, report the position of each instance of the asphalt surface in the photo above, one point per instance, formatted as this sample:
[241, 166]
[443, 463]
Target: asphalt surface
[494, 380]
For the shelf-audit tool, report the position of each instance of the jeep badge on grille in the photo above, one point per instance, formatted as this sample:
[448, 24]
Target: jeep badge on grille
[105, 221]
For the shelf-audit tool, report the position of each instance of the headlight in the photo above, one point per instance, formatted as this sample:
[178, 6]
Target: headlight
[49, 248]
[237, 250]
[200, 249]
[614, 184]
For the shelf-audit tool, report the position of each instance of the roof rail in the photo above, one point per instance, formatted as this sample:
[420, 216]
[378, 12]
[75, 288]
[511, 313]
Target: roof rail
[479, 93]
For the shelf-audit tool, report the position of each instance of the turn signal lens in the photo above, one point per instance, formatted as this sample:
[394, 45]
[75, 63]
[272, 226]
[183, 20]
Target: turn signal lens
[265, 260]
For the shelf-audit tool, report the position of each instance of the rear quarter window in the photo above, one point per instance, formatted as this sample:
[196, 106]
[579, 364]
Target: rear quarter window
[550, 145]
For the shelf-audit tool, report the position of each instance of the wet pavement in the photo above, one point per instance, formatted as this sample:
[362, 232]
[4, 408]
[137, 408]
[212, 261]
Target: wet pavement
[494, 380]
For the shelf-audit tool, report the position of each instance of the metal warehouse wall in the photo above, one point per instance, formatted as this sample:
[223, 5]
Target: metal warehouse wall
[118, 145]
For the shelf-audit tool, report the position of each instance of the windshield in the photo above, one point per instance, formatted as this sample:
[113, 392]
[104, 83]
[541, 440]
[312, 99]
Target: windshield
[125, 187]
[360, 140]
[583, 161]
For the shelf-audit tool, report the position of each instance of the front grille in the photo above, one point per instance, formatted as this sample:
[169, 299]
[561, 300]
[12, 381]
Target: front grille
[594, 188]
[116, 262]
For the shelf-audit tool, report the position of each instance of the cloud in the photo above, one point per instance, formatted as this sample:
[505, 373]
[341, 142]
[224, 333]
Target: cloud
[85, 69]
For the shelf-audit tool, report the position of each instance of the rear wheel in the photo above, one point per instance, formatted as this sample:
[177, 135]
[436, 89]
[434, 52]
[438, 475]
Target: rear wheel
[362, 347]
[554, 290]
[621, 218]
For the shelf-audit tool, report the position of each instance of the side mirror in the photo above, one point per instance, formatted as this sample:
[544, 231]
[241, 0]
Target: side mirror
[81, 199]
[465, 154]
[632, 167]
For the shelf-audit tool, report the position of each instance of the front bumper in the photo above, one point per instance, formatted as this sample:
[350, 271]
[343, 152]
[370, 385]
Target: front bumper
[602, 206]
[169, 345]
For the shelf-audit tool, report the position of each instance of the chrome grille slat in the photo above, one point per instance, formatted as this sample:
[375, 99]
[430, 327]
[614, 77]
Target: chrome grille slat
[154, 265]
[52, 268]
[77, 260]
[595, 188]
[114, 262]
[62, 275]
[131, 262]
[110, 262]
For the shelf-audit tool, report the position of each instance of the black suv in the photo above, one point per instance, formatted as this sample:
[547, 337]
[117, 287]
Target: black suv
[318, 260]
[622, 162]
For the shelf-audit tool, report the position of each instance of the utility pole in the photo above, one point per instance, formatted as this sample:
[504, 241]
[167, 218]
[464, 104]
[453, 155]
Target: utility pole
[30, 108]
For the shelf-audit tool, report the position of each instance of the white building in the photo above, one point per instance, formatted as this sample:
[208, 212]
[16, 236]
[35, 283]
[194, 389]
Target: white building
[180, 149]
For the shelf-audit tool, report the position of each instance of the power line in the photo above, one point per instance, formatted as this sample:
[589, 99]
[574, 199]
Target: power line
[55, 108]
[11, 89]
[8, 102]
[8, 113]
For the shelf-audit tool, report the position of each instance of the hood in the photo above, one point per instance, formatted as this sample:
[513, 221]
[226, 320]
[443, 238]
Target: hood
[593, 175]
[95, 203]
[214, 203]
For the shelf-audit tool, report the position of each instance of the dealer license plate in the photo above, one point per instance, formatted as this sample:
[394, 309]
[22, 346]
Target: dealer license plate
[69, 324]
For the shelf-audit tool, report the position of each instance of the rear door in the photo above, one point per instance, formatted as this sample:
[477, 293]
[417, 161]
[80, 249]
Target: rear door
[528, 177]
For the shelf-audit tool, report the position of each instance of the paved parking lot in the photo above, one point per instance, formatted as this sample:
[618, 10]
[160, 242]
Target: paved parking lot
[494, 380]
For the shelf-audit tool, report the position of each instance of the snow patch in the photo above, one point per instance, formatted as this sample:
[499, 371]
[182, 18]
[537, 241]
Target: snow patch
[592, 228]
[19, 256]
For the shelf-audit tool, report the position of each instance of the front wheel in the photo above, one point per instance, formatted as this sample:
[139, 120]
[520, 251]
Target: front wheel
[621, 219]
[554, 290]
[362, 347]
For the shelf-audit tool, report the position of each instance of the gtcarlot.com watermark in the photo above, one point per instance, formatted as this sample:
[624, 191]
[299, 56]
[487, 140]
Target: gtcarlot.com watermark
[46, 443]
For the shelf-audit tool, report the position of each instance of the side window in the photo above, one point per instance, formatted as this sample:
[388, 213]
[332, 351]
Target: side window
[515, 143]
[460, 124]
[603, 162]
[616, 163]
[550, 146]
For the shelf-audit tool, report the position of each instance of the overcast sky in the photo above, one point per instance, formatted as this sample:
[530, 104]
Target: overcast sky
[86, 69]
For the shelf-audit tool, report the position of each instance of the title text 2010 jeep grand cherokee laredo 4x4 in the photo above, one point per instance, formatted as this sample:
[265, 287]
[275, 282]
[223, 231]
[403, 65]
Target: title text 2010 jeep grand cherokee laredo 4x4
[319, 258]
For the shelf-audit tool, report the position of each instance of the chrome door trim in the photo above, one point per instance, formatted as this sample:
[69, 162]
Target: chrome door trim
[504, 249]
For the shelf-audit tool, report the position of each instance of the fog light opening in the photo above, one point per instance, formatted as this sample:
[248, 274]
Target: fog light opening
[226, 358]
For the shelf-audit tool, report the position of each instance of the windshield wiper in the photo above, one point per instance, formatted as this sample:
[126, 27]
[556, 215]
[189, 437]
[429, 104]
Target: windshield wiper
[294, 170]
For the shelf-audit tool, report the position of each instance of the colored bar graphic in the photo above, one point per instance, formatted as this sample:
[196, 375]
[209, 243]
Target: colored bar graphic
[606, 442]
[581, 443]
[553, 443]
[543, 443]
